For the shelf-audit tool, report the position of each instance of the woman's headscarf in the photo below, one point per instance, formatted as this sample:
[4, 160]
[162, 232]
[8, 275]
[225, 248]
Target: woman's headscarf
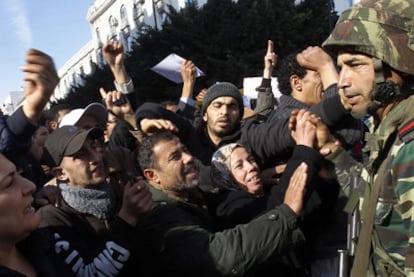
[220, 167]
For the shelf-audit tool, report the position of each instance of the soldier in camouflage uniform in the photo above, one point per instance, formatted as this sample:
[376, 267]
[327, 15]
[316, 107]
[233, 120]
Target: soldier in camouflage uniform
[374, 41]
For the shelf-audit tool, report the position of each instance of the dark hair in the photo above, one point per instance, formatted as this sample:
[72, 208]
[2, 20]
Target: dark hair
[287, 67]
[146, 157]
[168, 102]
[43, 120]
[53, 113]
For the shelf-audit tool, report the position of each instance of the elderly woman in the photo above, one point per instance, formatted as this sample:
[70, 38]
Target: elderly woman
[236, 174]
[23, 252]
[242, 193]
[243, 196]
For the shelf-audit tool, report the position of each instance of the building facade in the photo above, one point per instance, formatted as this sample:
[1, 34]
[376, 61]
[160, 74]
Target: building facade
[121, 20]
[12, 101]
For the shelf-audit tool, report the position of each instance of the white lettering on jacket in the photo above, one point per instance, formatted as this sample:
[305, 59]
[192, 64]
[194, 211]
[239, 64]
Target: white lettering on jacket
[107, 263]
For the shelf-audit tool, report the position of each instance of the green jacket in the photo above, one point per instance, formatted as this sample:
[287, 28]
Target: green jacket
[391, 166]
[179, 238]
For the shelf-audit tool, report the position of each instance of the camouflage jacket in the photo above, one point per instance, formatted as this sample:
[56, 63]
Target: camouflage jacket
[391, 166]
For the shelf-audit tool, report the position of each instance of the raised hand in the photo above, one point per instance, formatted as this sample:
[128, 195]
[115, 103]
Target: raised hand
[188, 73]
[116, 102]
[48, 195]
[40, 80]
[303, 127]
[315, 58]
[270, 60]
[113, 53]
[323, 139]
[136, 200]
[150, 126]
[296, 189]
[200, 96]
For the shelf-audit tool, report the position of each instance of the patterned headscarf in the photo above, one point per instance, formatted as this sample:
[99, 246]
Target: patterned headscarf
[220, 167]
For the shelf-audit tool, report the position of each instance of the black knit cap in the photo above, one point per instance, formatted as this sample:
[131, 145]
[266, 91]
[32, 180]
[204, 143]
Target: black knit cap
[220, 89]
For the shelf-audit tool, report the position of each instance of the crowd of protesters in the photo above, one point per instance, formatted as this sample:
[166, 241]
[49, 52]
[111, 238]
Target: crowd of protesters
[209, 187]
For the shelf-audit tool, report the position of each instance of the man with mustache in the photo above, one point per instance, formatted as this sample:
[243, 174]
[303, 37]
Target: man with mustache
[179, 234]
[375, 47]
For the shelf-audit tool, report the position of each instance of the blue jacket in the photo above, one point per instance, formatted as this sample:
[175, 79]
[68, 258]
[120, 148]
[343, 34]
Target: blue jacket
[15, 135]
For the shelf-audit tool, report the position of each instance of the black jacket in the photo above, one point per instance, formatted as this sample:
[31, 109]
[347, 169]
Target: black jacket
[83, 242]
[180, 238]
[38, 249]
[15, 134]
[349, 131]
[122, 137]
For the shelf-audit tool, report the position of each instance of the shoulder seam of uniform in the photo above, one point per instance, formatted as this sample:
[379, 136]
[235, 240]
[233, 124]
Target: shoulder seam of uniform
[406, 129]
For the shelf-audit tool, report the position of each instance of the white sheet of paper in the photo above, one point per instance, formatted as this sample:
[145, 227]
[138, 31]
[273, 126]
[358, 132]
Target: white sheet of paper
[251, 83]
[170, 68]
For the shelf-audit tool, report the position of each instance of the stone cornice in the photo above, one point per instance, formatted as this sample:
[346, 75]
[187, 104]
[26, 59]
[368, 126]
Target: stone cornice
[96, 11]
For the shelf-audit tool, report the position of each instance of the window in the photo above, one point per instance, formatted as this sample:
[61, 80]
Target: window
[124, 17]
[98, 35]
[138, 15]
[159, 5]
[113, 23]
